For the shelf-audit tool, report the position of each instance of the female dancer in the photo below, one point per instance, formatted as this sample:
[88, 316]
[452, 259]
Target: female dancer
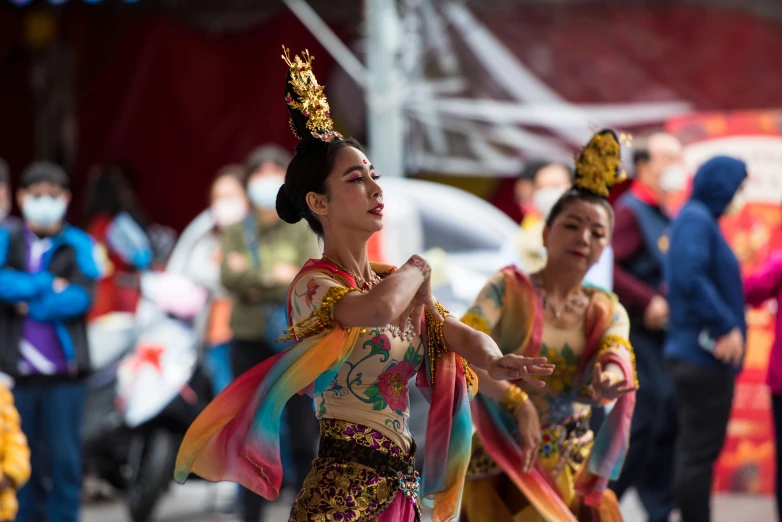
[360, 336]
[584, 332]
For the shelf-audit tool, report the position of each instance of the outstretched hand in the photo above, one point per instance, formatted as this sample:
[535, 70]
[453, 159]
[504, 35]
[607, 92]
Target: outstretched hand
[511, 367]
[608, 386]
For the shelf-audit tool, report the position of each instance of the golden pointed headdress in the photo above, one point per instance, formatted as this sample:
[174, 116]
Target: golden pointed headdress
[599, 164]
[307, 104]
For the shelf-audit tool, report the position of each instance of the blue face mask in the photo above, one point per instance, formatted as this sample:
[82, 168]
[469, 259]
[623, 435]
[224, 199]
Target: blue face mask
[44, 211]
[263, 191]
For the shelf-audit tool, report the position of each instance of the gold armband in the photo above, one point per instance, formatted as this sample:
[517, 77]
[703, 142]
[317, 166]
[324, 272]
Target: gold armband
[319, 320]
[513, 399]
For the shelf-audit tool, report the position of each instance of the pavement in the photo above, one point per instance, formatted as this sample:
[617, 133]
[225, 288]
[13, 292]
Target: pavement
[201, 502]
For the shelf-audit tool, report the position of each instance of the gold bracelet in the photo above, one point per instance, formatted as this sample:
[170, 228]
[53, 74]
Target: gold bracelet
[513, 399]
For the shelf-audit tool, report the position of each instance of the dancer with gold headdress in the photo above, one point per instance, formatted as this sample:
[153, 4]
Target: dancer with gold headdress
[362, 331]
[534, 456]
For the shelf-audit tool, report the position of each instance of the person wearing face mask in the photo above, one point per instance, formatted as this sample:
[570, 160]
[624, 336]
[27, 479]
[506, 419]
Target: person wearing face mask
[640, 243]
[261, 256]
[228, 205]
[704, 349]
[48, 274]
[538, 189]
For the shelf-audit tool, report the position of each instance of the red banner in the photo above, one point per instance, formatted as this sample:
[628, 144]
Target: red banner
[747, 460]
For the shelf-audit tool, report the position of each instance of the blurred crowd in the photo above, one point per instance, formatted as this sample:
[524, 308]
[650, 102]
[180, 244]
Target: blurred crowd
[676, 276]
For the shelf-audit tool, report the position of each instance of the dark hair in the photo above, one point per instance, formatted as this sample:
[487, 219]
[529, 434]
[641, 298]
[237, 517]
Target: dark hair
[232, 170]
[531, 169]
[307, 172]
[270, 153]
[640, 154]
[44, 172]
[575, 194]
[110, 193]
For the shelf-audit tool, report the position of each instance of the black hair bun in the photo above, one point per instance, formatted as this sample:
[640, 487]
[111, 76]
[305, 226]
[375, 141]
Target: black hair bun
[285, 208]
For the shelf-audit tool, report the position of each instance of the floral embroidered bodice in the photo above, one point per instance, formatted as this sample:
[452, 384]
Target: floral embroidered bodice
[371, 387]
[564, 347]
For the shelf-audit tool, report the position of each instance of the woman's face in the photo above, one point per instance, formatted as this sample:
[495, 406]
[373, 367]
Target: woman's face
[355, 200]
[228, 201]
[578, 236]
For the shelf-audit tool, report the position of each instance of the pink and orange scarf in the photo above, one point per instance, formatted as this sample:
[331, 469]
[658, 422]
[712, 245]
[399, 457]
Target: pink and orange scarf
[521, 331]
[237, 436]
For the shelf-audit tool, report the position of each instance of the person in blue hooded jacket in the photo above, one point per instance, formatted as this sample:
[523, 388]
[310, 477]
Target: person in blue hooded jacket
[705, 344]
[47, 274]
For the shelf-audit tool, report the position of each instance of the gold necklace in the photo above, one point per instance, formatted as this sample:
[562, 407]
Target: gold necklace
[360, 281]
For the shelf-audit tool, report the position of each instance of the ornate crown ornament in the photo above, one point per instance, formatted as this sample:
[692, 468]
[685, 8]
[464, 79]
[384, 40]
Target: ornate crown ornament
[308, 97]
[598, 165]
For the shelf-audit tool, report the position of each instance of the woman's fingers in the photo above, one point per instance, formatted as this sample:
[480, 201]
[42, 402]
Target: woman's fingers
[541, 369]
[529, 453]
[532, 381]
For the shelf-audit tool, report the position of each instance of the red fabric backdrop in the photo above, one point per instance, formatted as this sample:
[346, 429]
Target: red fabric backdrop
[176, 103]
[17, 144]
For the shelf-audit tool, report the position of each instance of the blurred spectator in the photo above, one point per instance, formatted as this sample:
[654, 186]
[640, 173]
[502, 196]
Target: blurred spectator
[49, 271]
[705, 344]
[640, 243]
[6, 218]
[228, 206]
[14, 452]
[525, 185]
[261, 256]
[112, 216]
[763, 285]
[537, 190]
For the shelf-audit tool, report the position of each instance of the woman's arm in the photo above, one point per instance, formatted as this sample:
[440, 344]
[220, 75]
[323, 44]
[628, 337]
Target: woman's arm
[236, 272]
[480, 350]
[517, 403]
[609, 379]
[388, 301]
[766, 282]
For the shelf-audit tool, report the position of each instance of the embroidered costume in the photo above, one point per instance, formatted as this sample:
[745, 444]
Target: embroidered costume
[574, 464]
[358, 379]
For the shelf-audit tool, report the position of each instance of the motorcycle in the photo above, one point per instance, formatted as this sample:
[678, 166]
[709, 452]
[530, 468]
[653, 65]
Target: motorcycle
[142, 399]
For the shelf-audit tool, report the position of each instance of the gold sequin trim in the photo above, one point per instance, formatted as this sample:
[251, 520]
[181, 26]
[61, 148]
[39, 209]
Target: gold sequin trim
[436, 346]
[320, 319]
[612, 342]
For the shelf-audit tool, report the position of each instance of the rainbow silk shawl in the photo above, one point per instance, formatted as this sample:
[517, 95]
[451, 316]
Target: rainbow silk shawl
[520, 330]
[236, 438]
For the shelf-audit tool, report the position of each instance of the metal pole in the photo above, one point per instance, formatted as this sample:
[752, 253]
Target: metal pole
[385, 122]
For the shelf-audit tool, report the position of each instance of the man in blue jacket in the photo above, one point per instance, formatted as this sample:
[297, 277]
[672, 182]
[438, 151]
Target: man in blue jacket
[705, 343]
[48, 272]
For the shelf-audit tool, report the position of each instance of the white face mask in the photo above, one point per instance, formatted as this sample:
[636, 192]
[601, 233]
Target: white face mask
[263, 191]
[228, 211]
[44, 211]
[673, 179]
[736, 204]
[545, 199]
